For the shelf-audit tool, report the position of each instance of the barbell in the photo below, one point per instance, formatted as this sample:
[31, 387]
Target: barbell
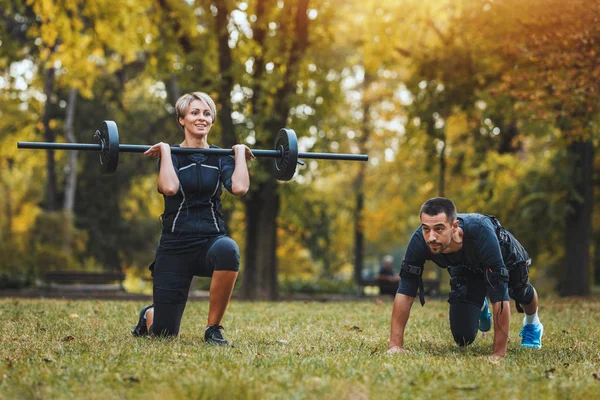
[285, 154]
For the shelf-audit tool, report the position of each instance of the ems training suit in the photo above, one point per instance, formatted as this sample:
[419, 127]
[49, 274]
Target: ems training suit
[193, 239]
[491, 261]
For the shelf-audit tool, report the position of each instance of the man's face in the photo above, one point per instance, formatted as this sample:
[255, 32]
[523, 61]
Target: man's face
[437, 231]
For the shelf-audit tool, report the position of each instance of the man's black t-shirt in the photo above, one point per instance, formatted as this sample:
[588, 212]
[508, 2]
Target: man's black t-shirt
[481, 251]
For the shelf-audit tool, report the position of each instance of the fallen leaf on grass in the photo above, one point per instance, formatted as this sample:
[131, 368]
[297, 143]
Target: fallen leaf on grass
[68, 338]
[315, 383]
[132, 379]
[354, 328]
[73, 316]
[10, 360]
[596, 376]
[375, 350]
[466, 387]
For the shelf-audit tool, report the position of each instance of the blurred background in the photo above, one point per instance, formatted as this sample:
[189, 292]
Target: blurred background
[493, 104]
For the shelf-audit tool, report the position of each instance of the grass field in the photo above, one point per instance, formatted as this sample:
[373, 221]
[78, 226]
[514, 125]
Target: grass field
[53, 349]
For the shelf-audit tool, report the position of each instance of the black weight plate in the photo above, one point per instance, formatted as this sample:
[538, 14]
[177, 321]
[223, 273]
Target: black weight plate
[109, 155]
[285, 166]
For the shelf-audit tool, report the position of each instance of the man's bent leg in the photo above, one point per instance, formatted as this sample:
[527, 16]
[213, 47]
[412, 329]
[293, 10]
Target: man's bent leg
[467, 295]
[464, 322]
[533, 329]
[525, 294]
[531, 309]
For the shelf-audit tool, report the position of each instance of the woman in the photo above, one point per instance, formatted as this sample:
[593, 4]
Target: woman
[193, 239]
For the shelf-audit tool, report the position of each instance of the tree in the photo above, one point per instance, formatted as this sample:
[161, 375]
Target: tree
[555, 47]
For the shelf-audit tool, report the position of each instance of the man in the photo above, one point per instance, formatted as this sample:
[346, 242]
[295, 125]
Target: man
[482, 259]
[386, 278]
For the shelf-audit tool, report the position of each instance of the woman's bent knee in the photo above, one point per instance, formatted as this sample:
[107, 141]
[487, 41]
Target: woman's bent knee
[224, 255]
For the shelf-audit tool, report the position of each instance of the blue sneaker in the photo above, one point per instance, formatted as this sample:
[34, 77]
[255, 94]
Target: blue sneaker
[485, 318]
[532, 335]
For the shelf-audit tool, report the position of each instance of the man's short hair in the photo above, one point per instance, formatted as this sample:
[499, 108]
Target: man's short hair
[439, 205]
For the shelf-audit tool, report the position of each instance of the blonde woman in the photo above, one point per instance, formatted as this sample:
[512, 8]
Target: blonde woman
[194, 240]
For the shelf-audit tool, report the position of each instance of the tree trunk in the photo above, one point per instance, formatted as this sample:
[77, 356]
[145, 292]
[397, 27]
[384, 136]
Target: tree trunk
[260, 275]
[51, 203]
[597, 258]
[173, 90]
[229, 137]
[359, 238]
[442, 181]
[576, 276]
[71, 170]
[6, 234]
[263, 201]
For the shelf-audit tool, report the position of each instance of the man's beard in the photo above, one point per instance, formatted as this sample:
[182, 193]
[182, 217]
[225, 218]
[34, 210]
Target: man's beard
[439, 249]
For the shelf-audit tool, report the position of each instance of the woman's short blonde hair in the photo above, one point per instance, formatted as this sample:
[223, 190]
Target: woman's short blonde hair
[183, 103]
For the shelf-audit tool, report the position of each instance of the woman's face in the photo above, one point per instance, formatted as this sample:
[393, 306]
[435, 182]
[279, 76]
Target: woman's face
[198, 120]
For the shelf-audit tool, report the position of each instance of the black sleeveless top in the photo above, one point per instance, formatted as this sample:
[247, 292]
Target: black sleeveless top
[195, 210]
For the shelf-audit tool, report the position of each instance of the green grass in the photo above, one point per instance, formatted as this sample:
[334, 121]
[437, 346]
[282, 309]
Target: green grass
[53, 349]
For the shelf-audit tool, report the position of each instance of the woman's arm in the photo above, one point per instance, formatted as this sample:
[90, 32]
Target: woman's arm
[240, 180]
[167, 182]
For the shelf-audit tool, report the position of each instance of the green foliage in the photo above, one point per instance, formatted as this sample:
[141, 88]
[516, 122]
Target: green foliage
[56, 244]
[420, 86]
[318, 286]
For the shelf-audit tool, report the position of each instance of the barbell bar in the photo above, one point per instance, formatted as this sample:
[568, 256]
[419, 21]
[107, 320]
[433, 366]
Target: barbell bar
[285, 154]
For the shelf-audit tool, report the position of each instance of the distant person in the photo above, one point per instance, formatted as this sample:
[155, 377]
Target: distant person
[482, 259]
[193, 239]
[386, 278]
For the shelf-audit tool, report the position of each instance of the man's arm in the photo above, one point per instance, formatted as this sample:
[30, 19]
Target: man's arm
[501, 314]
[400, 313]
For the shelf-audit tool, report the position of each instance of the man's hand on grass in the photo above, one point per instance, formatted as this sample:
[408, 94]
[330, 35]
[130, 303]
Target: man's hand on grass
[396, 349]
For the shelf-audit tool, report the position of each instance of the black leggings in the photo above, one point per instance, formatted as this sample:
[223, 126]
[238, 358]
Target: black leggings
[467, 296]
[466, 299]
[464, 322]
[173, 271]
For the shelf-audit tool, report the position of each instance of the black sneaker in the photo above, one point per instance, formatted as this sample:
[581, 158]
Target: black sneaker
[212, 335]
[141, 329]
